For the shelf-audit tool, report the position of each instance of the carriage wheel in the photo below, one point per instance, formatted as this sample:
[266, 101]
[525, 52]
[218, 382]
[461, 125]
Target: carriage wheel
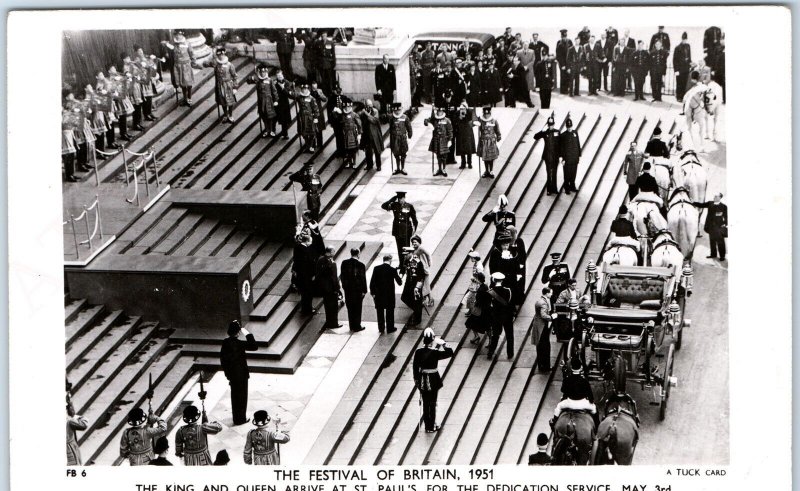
[620, 376]
[662, 413]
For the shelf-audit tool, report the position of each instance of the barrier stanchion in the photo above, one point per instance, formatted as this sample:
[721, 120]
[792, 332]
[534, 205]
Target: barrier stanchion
[96, 174]
[125, 164]
[88, 234]
[146, 177]
[75, 236]
[99, 223]
[155, 165]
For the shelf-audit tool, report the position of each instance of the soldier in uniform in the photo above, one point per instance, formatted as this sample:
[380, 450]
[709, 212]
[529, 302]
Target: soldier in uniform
[682, 63]
[550, 154]
[136, 443]
[464, 135]
[399, 133]
[502, 315]
[569, 147]
[404, 224]
[233, 359]
[327, 58]
[350, 124]
[191, 439]
[556, 276]
[563, 46]
[576, 61]
[426, 375]
[225, 83]
[311, 184]
[546, 79]
[414, 288]
[662, 37]
[541, 457]
[502, 218]
[631, 167]
[441, 139]
[267, 95]
[354, 284]
[658, 68]
[75, 423]
[261, 447]
[372, 136]
[284, 45]
[182, 61]
[284, 108]
[307, 116]
[640, 64]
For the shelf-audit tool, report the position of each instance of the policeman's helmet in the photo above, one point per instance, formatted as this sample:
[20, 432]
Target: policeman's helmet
[191, 414]
[261, 417]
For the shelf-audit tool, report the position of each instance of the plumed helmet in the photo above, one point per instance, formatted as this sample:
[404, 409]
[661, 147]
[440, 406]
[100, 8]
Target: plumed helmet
[428, 335]
[137, 417]
[191, 414]
[502, 201]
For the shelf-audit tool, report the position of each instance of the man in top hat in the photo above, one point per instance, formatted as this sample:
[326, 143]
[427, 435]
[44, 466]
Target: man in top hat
[284, 46]
[640, 64]
[441, 139]
[191, 440]
[502, 315]
[283, 109]
[350, 127]
[326, 279]
[646, 183]
[501, 216]
[182, 61]
[381, 287]
[225, 83]
[233, 359]
[632, 167]
[551, 154]
[662, 37]
[488, 137]
[261, 446]
[656, 146]
[136, 443]
[311, 183]
[658, 68]
[541, 457]
[372, 136]
[426, 375]
[563, 46]
[622, 226]
[161, 449]
[546, 79]
[385, 83]
[556, 275]
[569, 147]
[354, 284]
[267, 95]
[307, 116]
[404, 224]
[682, 63]
[399, 133]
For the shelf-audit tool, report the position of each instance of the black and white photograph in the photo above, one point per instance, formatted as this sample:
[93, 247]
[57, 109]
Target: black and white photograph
[502, 242]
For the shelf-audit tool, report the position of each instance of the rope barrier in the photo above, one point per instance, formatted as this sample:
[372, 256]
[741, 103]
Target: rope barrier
[108, 153]
[90, 234]
[150, 152]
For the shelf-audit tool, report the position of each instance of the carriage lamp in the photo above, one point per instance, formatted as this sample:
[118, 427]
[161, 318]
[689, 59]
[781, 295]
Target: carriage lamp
[591, 279]
[674, 313]
[687, 279]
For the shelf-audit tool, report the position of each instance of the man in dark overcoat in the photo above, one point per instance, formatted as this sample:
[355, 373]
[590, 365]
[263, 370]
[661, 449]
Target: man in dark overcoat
[233, 359]
[354, 285]
[381, 287]
[569, 148]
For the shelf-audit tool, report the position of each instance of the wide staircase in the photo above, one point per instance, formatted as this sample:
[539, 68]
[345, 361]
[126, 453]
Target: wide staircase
[490, 408]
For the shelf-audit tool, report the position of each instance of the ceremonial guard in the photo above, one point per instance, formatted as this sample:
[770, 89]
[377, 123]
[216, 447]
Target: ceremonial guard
[267, 95]
[550, 154]
[182, 61]
[123, 106]
[660, 37]
[75, 423]
[307, 117]
[631, 167]
[622, 226]
[327, 59]
[327, 283]
[569, 148]
[464, 135]
[385, 83]
[354, 285]
[658, 68]
[381, 287]
[501, 216]
[311, 184]
[399, 133]
[225, 83]
[191, 440]
[414, 289]
[98, 120]
[563, 46]
[261, 447]
[284, 108]
[372, 136]
[576, 60]
[682, 63]
[83, 135]
[350, 124]
[404, 224]
[426, 375]
[105, 95]
[321, 99]
[71, 122]
[148, 75]
[541, 325]
[136, 444]
[502, 315]
[556, 276]
[491, 86]
[451, 106]
[284, 46]
[233, 359]
[546, 79]
[132, 75]
[640, 64]
[336, 102]
[711, 39]
[441, 139]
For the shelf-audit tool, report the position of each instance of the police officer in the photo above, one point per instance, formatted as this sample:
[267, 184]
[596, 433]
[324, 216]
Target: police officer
[556, 276]
[546, 79]
[311, 184]
[541, 457]
[501, 216]
[191, 440]
[502, 317]
[551, 154]
[682, 63]
[563, 46]
[569, 147]
[640, 64]
[622, 226]
[661, 37]
[404, 224]
[284, 45]
[399, 133]
[658, 68]
[426, 375]
[136, 444]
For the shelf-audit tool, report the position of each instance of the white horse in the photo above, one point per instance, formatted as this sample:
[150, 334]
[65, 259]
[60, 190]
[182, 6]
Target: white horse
[666, 252]
[684, 221]
[713, 101]
[645, 208]
[690, 174]
[695, 108]
[662, 170]
[623, 251]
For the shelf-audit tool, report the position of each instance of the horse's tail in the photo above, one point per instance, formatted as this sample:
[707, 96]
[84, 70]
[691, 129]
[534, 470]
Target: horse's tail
[611, 442]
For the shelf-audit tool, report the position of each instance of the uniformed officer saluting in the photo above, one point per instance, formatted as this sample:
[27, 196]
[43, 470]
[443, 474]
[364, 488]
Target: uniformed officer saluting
[426, 375]
[404, 224]
[312, 185]
[556, 276]
[551, 154]
[501, 216]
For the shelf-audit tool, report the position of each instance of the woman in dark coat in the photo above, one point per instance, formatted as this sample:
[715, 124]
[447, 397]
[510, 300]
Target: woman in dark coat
[479, 316]
[474, 90]
[464, 135]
